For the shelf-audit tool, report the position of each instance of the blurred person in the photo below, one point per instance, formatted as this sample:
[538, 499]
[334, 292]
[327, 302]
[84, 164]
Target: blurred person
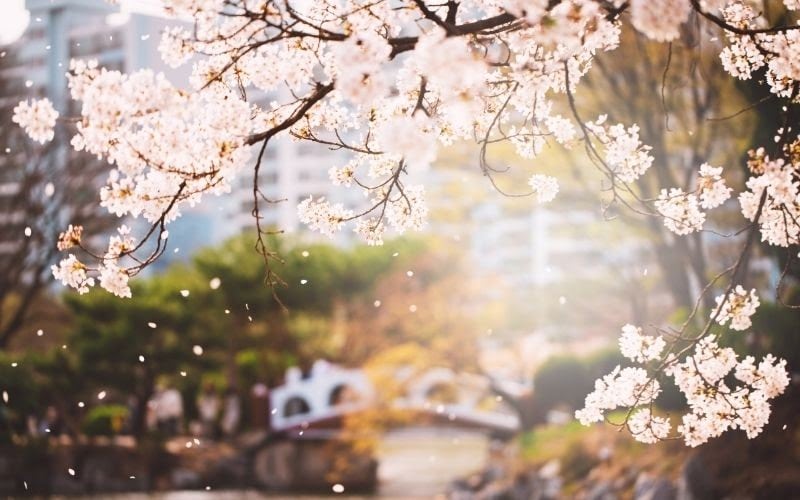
[208, 409]
[232, 413]
[259, 406]
[168, 410]
[32, 425]
[150, 421]
[6, 430]
[153, 413]
[52, 423]
[133, 415]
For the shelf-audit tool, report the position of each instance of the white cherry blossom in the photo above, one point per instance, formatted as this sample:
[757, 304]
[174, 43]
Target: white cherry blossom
[70, 238]
[681, 211]
[648, 428]
[114, 279]
[738, 308]
[38, 118]
[323, 216]
[713, 190]
[410, 138]
[622, 388]
[660, 19]
[544, 186]
[638, 347]
[73, 273]
[702, 377]
[625, 155]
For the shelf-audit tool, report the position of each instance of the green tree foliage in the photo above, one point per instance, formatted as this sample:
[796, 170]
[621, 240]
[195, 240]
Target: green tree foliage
[562, 381]
[264, 336]
[126, 346]
[105, 420]
[219, 302]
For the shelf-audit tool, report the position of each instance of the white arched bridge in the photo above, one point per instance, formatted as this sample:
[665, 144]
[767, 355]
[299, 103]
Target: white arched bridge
[316, 404]
[308, 411]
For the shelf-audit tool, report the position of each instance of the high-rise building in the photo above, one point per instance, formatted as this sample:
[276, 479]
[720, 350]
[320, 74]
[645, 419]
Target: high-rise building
[521, 243]
[291, 171]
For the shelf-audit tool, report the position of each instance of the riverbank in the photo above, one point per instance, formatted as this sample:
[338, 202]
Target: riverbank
[600, 463]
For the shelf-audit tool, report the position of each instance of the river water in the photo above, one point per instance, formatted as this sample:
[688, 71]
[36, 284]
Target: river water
[414, 463]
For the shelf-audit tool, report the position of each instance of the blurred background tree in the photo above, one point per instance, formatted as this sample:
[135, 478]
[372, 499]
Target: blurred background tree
[687, 109]
[42, 189]
[213, 320]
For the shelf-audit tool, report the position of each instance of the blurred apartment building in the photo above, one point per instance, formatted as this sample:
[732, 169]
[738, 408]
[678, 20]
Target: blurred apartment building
[524, 247]
[60, 30]
[521, 244]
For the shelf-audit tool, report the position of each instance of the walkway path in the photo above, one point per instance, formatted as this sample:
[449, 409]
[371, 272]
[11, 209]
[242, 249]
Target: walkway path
[420, 462]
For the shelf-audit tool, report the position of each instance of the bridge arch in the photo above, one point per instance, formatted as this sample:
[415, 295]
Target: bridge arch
[296, 405]
[326, 392]
[344, 393]
[442, 393]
